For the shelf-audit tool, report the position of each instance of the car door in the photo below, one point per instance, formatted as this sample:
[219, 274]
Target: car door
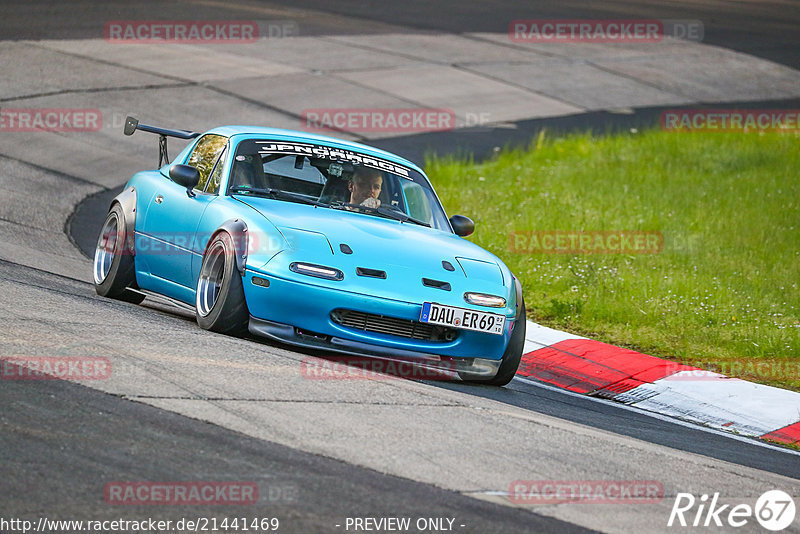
[173, 216]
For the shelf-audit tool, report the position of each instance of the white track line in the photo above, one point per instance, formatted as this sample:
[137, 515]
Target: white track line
[751, 440]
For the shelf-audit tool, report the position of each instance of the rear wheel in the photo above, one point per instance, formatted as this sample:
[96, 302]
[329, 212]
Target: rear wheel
[113, 267]
[512, 355]
[220, 305]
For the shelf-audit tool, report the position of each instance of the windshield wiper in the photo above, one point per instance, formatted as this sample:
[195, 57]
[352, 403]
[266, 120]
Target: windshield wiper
[400, 216]
[277, 193]
[386, 212]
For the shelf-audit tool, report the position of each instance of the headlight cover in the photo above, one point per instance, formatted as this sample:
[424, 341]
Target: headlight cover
[317, 271]
[482, 299]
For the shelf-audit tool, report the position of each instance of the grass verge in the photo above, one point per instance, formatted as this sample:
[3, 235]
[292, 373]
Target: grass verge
[722, 292]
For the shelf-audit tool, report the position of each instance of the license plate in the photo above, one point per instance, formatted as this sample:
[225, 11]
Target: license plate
[491, 323]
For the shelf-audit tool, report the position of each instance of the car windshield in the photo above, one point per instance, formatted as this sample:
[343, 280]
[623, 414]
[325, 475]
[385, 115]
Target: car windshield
[334, 178]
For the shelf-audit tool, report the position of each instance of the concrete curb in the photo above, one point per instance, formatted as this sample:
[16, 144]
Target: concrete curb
[689, 393]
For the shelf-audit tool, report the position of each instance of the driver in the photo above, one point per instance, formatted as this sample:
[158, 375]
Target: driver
[365, 187]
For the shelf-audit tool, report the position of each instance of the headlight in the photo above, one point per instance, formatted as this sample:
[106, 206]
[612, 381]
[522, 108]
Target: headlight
[481, 299]
[319, 271]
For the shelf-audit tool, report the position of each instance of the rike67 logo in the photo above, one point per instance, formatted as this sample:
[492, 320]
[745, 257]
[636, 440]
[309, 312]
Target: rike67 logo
[774, 510]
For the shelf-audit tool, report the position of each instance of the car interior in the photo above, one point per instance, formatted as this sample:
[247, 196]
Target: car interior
[310, 177]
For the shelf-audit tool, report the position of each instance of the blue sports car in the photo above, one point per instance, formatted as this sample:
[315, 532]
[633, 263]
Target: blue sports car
[316, 242]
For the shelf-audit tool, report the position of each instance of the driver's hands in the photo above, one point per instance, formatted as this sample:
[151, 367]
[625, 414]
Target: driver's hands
[371, 202]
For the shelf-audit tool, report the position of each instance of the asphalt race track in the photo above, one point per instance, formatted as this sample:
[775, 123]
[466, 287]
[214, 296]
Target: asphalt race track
[184, 404]
[122, 440]
[764, 29]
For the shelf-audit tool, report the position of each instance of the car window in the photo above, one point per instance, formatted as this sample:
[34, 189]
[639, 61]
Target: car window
[419, 205]
[334, 177]
[295, 174]
[216, 174]
[205, 155]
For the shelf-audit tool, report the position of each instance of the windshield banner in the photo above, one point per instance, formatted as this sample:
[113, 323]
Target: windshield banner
[335, 154]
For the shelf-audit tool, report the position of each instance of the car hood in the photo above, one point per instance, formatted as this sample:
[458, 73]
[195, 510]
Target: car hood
[406, 252]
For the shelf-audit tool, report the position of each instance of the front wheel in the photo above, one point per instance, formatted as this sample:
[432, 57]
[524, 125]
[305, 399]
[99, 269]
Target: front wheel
[512, 355]
[113, 267]
[220, 305]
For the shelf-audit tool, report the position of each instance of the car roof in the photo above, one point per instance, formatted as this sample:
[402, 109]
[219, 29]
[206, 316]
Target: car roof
[295, 135]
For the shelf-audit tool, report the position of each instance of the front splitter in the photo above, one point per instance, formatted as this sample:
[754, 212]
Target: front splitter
[466, 368]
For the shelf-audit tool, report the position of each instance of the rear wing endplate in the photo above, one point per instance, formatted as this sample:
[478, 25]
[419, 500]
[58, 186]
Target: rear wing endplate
[132, 124]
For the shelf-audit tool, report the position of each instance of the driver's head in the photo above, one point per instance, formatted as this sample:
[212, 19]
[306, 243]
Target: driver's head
[365, 183]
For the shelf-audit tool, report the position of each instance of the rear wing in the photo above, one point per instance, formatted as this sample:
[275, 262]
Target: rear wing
[132, 124]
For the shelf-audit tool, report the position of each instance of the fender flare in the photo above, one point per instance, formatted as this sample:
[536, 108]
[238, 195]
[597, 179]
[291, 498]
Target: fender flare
[127, 201]
[237, 229]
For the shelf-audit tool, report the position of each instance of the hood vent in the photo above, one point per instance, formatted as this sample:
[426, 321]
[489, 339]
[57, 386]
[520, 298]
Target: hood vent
[371, 273]
[438, 284]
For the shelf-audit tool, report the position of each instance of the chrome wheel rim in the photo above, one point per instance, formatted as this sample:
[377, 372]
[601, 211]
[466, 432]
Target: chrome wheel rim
[212, 273]
[105, 250]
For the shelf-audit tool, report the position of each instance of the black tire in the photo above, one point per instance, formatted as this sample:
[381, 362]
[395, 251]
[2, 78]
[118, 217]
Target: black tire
[512, 356]
[220, 305]
[113, 268]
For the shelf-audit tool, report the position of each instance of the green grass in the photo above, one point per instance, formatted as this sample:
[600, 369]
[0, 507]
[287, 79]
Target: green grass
[722, 294]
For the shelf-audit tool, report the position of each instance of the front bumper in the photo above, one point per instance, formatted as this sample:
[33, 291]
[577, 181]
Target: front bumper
[300, 313]
[465, 367]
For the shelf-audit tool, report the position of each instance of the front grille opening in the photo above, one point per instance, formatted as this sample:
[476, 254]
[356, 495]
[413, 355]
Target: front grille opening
[381, 324]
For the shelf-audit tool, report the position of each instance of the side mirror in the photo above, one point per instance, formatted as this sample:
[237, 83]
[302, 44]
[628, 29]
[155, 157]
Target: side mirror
[462, 226]
[185, 175]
